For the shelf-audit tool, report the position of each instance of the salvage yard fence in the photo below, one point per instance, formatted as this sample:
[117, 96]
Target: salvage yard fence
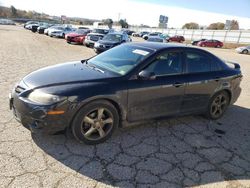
[228, 36]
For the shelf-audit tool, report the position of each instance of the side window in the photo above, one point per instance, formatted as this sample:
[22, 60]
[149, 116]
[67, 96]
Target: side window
[166, 63]
[197, 62]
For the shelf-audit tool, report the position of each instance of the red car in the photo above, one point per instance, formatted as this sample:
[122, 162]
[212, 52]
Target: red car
[210, 43]
[77, 36]
[176, 38]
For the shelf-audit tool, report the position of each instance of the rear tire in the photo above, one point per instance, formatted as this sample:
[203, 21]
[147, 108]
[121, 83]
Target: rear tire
[218, 105]
[95, 122]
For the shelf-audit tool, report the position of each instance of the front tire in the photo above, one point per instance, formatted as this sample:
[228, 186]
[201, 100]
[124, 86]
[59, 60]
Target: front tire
[95, 122]
[245, 51]
[218, 105]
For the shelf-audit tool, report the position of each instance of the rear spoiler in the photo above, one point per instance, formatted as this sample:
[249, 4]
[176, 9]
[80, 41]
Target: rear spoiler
[235, 65]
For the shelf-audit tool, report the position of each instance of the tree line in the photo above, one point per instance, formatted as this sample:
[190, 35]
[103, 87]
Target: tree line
[213, 26]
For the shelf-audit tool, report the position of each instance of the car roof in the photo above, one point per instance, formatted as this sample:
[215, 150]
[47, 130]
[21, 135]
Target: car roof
[156, 45]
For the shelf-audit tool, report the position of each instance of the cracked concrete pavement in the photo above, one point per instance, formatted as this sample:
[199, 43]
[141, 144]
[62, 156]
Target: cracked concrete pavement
[187, 151]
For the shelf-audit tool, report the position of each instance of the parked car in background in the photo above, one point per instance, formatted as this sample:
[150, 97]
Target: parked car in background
[4, 21]
[143, 33]
[42, 28]
[136, 34]
[129, 32]
[60, 32]
[35, 26]
[77, 36]
[156, 39]
[176, 38]
[110, 40]
[29, 26]
[210, 43]
[129, 83]
[30, 22]
[154, 34]
[165, 36]
[243, 50]
[195, 42]
[94, 36]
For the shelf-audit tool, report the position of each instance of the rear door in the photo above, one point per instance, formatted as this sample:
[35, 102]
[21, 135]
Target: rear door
[203, 78]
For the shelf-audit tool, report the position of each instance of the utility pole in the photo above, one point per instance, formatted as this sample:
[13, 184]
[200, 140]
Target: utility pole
[119, 16]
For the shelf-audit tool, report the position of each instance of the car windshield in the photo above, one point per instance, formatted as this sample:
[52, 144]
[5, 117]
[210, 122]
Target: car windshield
[81, 31]
[121, 59]
[101, 31]
[113, 37]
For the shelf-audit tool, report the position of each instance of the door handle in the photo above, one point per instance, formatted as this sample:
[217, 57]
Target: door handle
[178, 84]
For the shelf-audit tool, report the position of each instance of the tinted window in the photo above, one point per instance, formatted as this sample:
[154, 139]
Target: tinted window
[166, 63]
[197, 62]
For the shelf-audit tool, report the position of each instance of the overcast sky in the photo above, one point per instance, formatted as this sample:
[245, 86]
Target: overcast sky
[144, 12]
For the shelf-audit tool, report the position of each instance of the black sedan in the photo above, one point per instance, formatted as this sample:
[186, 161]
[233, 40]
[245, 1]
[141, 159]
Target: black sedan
[110, 40]
[129, 83]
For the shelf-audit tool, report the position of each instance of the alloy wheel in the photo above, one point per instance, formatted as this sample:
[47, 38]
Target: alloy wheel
[218, 106]
[97, 124]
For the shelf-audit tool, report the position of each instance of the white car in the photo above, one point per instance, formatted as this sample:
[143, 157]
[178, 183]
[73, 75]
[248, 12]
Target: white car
[60, 31]
[243, 50]
[29, 26]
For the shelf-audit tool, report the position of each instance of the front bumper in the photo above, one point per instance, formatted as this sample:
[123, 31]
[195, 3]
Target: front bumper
[74, 40]
[239, 50]
[89, 42]
[35, 117]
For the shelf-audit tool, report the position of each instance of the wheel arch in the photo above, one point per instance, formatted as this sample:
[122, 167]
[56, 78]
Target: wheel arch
[121, 110]
[228, 91]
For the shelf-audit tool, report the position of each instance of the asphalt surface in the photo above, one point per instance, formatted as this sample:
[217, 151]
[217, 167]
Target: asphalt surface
[187, 151]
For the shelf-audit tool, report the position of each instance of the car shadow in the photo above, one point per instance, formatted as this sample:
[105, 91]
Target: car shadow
[176, 152]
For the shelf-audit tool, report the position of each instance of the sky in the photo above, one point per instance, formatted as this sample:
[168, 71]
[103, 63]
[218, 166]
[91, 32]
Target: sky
[144, 11]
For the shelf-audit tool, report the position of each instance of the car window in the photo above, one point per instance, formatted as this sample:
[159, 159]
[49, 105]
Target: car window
[121, 59]
[197, 62]
[166, 63]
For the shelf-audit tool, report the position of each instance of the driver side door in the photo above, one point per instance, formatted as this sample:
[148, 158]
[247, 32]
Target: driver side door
[161, 96]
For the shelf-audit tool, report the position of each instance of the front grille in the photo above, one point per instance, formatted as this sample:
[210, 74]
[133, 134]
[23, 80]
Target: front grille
[19, 89]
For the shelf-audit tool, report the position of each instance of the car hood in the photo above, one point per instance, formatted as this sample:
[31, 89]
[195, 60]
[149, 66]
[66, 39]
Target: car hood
[66, 73]
[75, 35]
[108, 42]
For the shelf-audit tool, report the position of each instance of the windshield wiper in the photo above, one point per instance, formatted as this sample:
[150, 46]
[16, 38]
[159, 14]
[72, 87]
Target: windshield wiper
[94, 67]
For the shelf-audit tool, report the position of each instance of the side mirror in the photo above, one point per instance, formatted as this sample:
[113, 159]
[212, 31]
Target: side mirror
[146, 75]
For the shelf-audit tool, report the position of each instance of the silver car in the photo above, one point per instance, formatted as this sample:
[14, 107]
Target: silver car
[94, 36]
[243, 50]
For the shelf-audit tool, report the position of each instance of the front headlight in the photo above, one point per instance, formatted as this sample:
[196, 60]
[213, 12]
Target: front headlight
[44, 98]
